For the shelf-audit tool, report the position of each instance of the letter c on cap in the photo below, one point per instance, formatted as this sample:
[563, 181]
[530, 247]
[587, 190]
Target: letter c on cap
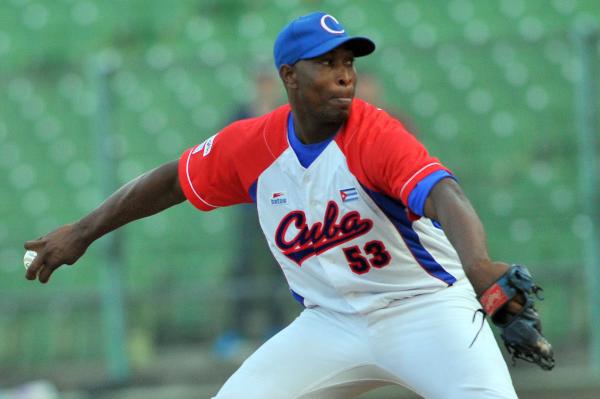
[327, 28]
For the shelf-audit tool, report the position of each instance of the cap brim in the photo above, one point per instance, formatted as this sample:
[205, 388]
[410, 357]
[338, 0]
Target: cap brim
[359, 45]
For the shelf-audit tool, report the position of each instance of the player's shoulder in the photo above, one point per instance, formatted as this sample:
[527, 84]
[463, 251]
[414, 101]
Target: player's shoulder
[253, 134]
[368, 122]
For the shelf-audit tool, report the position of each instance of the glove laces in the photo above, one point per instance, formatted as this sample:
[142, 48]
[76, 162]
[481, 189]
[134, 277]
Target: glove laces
[480, 310]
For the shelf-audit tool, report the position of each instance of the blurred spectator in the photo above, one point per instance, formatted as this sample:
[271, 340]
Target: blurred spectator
[254, 271]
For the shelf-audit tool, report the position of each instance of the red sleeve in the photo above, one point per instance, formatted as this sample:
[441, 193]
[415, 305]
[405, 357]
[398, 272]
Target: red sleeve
[221, 171]
[384, 155]
[207, 175]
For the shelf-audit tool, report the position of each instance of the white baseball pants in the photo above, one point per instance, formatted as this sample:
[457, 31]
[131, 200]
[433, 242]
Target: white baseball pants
[421, 343]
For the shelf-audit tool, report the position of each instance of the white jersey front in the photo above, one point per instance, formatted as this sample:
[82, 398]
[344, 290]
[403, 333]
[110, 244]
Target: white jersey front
[341, 227]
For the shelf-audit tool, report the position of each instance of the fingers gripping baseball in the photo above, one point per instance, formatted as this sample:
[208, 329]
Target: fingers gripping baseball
[62, 246]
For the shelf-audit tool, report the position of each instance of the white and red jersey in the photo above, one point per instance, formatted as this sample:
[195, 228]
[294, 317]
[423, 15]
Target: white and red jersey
[344, 222]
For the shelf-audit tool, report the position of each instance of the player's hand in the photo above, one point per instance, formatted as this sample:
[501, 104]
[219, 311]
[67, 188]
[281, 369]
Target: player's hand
[62, 246]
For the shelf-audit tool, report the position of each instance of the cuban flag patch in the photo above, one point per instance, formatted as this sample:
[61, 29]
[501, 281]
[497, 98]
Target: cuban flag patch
[349, 194]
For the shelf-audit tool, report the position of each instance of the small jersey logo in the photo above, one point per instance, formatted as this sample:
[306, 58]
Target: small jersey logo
[206, 145]
[198, 148]
[349, 194]
[278, 198]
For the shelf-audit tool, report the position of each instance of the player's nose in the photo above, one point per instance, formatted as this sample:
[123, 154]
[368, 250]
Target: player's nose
[345, 76]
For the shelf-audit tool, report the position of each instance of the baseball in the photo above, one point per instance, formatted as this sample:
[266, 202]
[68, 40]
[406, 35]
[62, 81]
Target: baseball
[28, 258]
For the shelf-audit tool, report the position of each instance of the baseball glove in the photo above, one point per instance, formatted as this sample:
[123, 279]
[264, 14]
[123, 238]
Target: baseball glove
[521, 331]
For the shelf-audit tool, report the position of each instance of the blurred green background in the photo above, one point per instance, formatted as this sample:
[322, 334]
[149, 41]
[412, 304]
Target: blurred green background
[491, 87]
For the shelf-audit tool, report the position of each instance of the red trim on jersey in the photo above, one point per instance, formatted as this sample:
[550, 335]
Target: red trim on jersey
[382, 154]
[238, 154]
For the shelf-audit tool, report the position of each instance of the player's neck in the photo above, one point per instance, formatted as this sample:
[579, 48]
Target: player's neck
[311, 130]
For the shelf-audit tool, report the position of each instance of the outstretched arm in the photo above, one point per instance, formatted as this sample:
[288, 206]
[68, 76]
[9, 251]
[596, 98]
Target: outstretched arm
[144, 196]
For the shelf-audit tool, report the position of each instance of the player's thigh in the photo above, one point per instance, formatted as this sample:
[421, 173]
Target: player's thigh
[425, 343]
[310, 352]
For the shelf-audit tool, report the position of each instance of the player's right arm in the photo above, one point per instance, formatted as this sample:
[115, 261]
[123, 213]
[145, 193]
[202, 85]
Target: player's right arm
[144, 196]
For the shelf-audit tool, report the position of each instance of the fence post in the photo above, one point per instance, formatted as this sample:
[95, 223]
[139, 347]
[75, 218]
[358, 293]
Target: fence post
[586, 39]
[111, 285]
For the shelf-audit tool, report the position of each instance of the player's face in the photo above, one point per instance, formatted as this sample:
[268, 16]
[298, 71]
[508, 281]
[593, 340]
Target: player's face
[326, 84]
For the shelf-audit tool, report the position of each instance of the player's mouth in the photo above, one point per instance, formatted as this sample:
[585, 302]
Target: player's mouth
[342, 101]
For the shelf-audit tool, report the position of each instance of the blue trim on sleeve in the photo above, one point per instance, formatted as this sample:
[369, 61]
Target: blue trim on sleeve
[396, 213]
[419, 194]
[306, 153]
[252, 191]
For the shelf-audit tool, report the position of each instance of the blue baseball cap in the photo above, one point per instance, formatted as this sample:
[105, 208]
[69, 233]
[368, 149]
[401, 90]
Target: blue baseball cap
[314, 34]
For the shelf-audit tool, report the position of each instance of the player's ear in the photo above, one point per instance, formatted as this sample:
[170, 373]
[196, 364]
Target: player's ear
[287, 73]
